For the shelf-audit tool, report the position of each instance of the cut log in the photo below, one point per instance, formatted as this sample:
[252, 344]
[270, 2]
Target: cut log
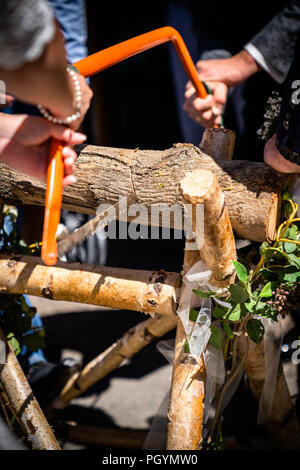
[145, 291]
[216, 244]
[24, 403]
[132, 341]
[252, 190]
[218, 143]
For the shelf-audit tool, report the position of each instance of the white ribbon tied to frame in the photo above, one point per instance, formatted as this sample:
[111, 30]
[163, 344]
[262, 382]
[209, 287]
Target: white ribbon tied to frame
[198, 332]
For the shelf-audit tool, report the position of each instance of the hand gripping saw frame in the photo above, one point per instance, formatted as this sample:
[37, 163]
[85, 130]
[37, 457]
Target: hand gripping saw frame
[87, 67]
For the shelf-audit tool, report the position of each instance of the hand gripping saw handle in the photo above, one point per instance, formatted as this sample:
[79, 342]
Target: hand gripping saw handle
[89, 66]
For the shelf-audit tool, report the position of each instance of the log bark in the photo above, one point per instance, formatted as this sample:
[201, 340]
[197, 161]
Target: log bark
[282, 424]
[145, 291]
[251, 190]
[24, 403]
[133, 341]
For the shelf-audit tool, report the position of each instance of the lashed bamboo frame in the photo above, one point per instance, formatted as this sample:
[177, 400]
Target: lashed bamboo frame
[163, 321]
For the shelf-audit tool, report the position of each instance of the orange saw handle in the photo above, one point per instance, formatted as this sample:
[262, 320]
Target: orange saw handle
[89, 66]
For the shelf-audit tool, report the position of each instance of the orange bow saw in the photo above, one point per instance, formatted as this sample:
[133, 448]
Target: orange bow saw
[87, 67]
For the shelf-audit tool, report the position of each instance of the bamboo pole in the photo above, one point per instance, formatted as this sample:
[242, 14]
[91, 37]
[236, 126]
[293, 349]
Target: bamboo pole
[217, 244]
[133, 341]
[145, 291]
[188, 382]
[104, 437]
[217, 248]
[24, 403]
[282, 423]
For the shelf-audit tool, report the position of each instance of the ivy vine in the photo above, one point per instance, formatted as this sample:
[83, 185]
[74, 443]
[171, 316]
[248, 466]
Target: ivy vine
[267, 286]
[16, 314]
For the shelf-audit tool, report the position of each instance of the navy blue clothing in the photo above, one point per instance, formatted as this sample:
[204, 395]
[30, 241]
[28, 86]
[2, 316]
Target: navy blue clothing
[288, 130]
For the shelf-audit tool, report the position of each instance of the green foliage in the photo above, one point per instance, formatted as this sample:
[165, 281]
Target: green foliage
[186, 347]
[194, 315]
[203, 293]
[261, 292]
[228, 330]
[219, 311]
[241, 272]
[255, 330]
[266, 290]
[216, 337]
[15, 314]
[238, 294]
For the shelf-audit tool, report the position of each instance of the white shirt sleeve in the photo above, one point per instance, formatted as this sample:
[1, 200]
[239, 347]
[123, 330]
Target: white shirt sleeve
[264, 63]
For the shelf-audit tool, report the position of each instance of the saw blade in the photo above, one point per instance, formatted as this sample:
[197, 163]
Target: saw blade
[98, 222]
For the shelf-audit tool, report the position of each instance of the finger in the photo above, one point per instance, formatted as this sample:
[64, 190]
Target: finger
[69, 179]
[198, 118]
[202, 104]
[69, 166]
[190, 92]
[189, 85]
[69, 156]
[68, 152]
[220, 95]
[207, 115]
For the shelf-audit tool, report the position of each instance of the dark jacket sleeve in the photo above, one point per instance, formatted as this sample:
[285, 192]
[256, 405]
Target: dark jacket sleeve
[276, 41]
[288, 130]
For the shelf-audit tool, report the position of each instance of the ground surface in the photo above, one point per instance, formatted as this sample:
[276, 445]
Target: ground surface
[131, 395]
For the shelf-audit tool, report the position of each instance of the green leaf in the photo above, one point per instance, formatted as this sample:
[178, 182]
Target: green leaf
[238, 294]
[289, 247]
[34, 341]
[250, 306]
[255, 330]
[14, 343]
[266, 290]
[203, 293]
[241, 271]
[291, 277]
[216, 337]
[186, 347]
[286, 195]
[294, 260]
[260, 305]
[22, 324]
[219, 311]
[291, 232]
[227, 330]
[249, 289]
[276, 253]
[263, 247]
[193, 315]
[269, 275]
[234, 314]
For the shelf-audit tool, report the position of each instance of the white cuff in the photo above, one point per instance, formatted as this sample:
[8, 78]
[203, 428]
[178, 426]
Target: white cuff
[264, 62]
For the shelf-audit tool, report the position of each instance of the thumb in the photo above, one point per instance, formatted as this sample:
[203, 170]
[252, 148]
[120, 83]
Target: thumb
[220, 96]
